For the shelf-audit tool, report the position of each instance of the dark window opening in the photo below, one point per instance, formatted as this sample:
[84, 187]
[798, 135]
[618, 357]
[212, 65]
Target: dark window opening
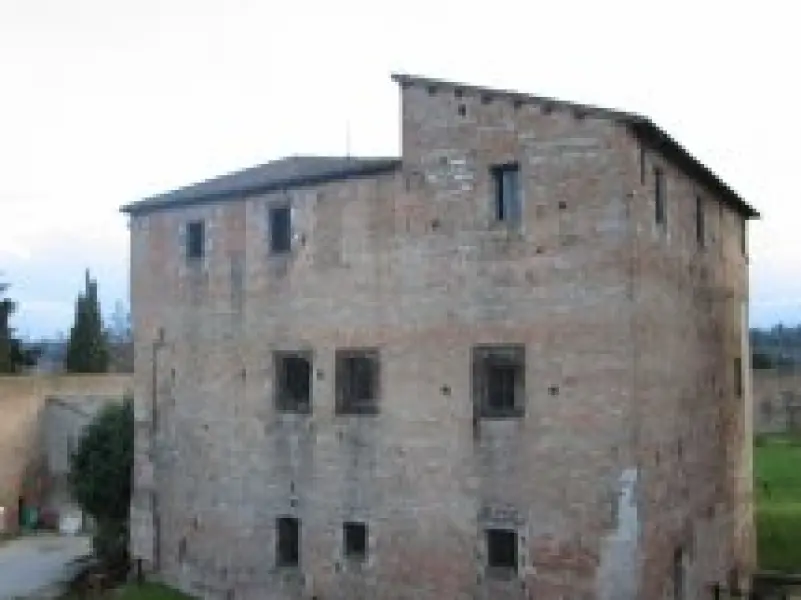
[738, 377]
[280, 229]
[743, 236]
[506, 190]
[502, 549]
[660, 192]
[501, 383]
[357, 381]
[293, 377]
[288, 542]
[700, 223]
[355, 539]
[195, 240]
[642, 164]
[499, 380]
[678, 574]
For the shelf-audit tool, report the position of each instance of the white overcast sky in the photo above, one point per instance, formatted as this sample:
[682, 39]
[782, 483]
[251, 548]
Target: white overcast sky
[103, 102]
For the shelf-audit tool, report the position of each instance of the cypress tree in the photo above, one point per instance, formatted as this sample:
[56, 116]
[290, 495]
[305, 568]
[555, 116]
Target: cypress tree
[7, 307]
[87, 348]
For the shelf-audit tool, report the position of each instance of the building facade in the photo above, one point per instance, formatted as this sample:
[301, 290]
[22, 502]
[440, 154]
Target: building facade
[511, 363]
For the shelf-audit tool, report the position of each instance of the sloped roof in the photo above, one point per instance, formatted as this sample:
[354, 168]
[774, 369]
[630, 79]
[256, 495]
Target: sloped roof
[651, 135]
[299, 171]
[284, 173]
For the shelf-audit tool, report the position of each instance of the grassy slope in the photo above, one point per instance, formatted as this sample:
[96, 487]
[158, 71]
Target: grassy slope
[150, 591]
[146, 591]
[777, 468]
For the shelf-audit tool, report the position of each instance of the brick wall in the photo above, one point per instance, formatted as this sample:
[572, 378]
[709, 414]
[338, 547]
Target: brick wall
[694, 435]
[412, 263]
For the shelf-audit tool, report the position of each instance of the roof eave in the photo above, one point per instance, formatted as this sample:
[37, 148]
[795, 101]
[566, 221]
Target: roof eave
[405, 80]
[164, 202]
[641, 126]
[655, 137]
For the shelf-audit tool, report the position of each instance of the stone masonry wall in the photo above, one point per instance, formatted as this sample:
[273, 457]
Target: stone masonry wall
[412, 263]
[694, 433]
[777, 400]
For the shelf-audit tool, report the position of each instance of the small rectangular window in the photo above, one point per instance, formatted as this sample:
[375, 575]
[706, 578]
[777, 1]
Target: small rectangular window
[502, 549]
[700, 222]
[499, 380]
[738, 377]
[743, 236]
[293, 381]
[357, 382]
[506, 190]
[660, 197]
[501, 383]
[679, 575]
[355, 540]
[642, 164]
[195, 240]
[288, 542]
[280, 229]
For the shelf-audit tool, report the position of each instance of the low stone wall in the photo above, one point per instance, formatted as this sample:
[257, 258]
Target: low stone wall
[777, 401]
[23, 465]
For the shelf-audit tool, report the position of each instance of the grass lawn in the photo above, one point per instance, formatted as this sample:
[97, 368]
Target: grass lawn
[146, 591]
[777, 472]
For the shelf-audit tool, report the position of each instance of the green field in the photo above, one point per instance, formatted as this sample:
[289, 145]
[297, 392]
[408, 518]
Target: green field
[149, 591]
[145, 591]
[777, 473]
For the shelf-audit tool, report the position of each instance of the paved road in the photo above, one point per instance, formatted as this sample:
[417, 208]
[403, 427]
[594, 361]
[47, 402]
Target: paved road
[29, 564]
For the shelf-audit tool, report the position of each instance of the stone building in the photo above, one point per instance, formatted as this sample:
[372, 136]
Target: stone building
[511, 363]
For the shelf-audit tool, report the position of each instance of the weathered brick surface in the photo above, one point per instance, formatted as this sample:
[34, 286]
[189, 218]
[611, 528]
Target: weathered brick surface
[632, 443]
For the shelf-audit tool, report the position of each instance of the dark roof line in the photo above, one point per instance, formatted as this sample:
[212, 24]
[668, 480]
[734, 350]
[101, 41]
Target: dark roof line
[650, 134]
[282, 174]
[302, 171]
[408, 80]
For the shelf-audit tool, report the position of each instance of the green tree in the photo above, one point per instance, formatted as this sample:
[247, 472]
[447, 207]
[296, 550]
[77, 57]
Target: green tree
[13, 356]
[762, 360]
[87, 348]
[100, 479]
[7, 307]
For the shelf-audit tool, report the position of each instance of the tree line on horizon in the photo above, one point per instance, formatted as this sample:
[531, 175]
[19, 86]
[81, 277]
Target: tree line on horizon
[777, 347]
[90, 348]
[93, 348]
